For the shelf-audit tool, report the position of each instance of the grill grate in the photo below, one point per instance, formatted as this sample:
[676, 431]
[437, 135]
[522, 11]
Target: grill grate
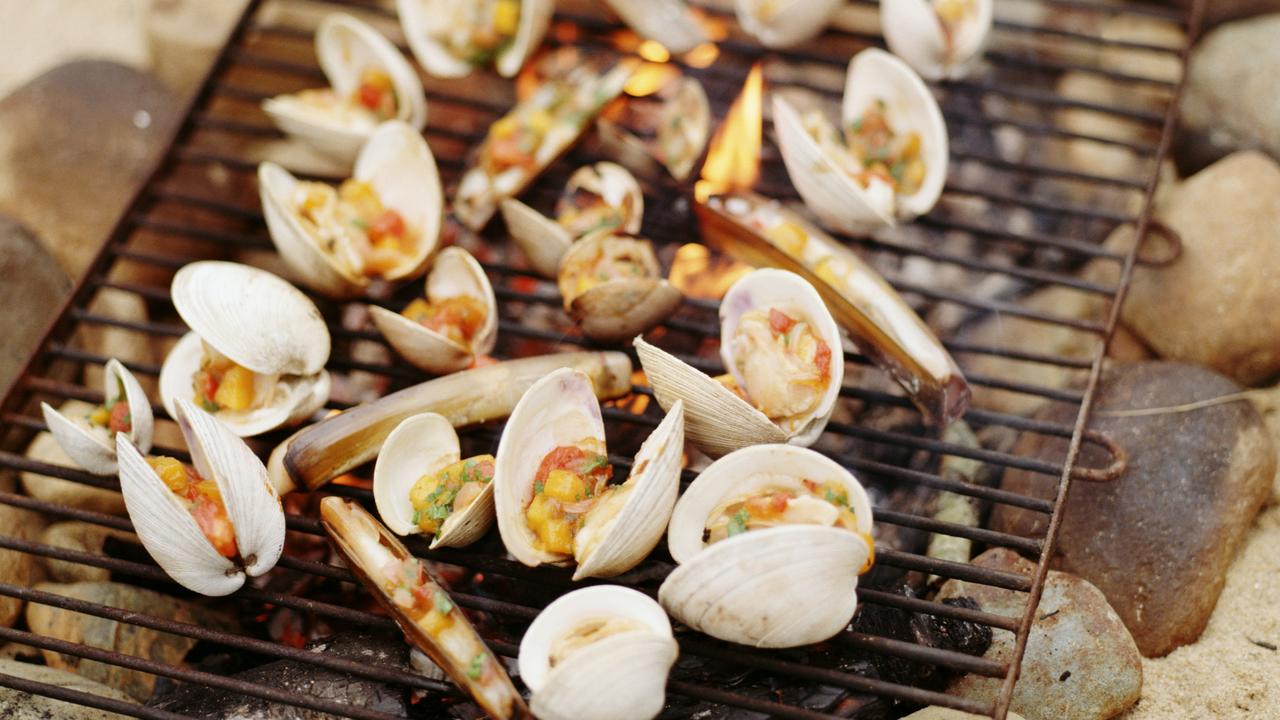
[202, 202]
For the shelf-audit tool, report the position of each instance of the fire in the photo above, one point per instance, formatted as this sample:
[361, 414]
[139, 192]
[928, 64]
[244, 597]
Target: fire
[653, 51]
[649, 78]
[733, 158]
[702, 56]
[699, 274]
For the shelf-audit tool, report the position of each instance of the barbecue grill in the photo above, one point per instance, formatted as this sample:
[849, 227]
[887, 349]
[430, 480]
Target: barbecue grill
[201, 202]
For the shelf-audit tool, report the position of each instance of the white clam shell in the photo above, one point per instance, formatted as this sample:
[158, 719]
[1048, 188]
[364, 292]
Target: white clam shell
[168, 530]
[345, 48]
[668, 21]
[398, 164]
[544, 241]
[260, 322]
[94, 449]
[688, 103]
[561, 409]
[572, 689]
[718, 421]
[782, 586]
[535, 16]
[424, 445]
[839, 201]
[454, 273]
[785, 23]
[914, 33]
[619, 308]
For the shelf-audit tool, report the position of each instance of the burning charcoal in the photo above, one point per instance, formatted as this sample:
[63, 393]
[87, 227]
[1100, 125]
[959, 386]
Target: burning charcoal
[951, 634]
[305, 679]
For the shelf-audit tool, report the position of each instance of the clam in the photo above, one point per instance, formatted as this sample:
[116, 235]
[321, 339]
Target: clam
[90, 440]
[450, 37]
[551, 491]
[613, 287]
[422, 484]
[785, 361]
[520, 144]
[370, 82]
[256, 352]
[680, 136]
[456, 322]
[669, 22]
[601, 198]
[383, 223]
[429, 618]
[941, 39]
[886, 163]
[784, 23]
[587, 639]
[209, 525]
[770, 540]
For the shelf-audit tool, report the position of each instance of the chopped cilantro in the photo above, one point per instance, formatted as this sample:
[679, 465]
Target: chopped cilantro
[417, 517]
[208, 405]
[359, 224]
[438, 512]
[441, 602]
[476, 668]
[835, 499]
[537, 488]
[738, 523]
[594, 462]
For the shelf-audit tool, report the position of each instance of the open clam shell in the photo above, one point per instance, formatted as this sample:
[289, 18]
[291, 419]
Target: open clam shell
[454, 272]
[442, 632]
[780, 586]
[623, 526]
[94, 448]
[168, 530]
[838, 200]
[915, 31]
[418, 17]
[544, 241]
[346, 47]
[260, 322]
[424, 445]
[785, 23]
[669, 22]
[720, 421]
[627, 634]
[399, 166]
[620, 307]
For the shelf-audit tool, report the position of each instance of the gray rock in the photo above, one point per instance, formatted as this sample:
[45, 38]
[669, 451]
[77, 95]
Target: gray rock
[933, 712]
[1159, 539]
[1080, 661]
[1232, 99]
[31, 288]
[18, 705]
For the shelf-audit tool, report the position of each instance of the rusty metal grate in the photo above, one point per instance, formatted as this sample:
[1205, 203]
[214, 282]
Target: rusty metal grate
[202, 202]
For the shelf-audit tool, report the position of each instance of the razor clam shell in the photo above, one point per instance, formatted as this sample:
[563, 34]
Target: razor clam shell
[571, 689]
[913, 32]
[345, 441]
[365, 545]
[791, 22]
[94, 451]
[691, 105]
[777, 587]
[296, 398]
[560, 409]
[667, 21]
[454, 272]
[424, 445]
[170, 533]
[542, 240]
[638, 526]
[339, 39]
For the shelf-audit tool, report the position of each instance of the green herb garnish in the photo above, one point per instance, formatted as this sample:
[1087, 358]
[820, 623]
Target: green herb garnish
[441, 602]
[476, 668]
[438, 512]
[835, 499]
[537, 488]
[738, 523]
[359, 224]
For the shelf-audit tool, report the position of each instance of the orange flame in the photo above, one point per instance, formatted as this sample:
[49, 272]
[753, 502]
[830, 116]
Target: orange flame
[699, 274]
[733, 159]
[649, 78]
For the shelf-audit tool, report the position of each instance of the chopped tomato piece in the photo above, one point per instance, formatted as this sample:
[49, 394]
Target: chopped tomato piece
[214, 523]
[389, 224]
[370, 95]
[206, 388]
[120, 420]
[779, 321]
[822, 358]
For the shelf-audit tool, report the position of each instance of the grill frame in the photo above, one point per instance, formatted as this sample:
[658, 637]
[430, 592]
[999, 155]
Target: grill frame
[18, 420]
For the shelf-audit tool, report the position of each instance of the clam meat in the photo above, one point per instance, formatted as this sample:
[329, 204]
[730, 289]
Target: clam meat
[613, 287]
[940, 39]
[423, 609]
[885, 162]
[553, 497]
[454, 323]
[256, 352]
[581, 643]
[421, 484]
[770, 540]
[785, 360]
[370, 83]
[451, 37]
[89, 440]
[209, 524]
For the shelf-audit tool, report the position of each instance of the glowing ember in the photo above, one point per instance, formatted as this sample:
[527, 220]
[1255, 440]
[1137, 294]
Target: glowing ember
[733, 158]
[653, 51]
[702, 56]
[699, 274]
[715, 27]
[649, 78]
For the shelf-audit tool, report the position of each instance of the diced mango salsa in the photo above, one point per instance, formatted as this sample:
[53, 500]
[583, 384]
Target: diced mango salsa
[171, 471]
[100, 416]
[549, 524]
[565, 486]
[435, 622]
[506, 17]
[235, 392]
[788, 237]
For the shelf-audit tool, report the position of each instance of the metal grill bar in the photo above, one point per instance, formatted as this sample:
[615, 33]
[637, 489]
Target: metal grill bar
[262, 60]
